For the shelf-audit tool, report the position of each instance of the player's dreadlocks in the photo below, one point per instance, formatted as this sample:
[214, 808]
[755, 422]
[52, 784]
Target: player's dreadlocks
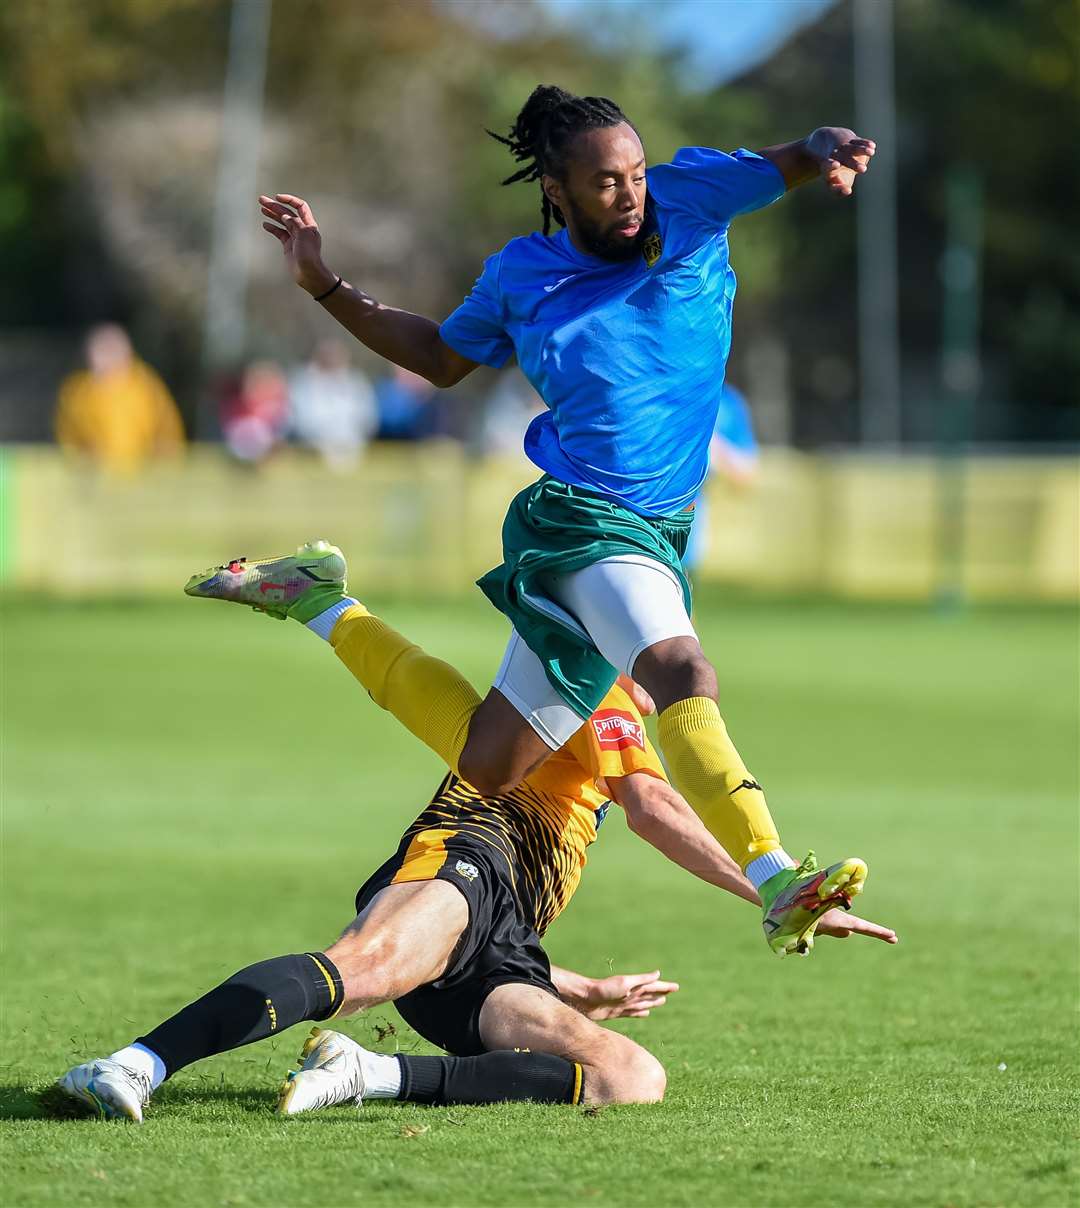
[543, 131]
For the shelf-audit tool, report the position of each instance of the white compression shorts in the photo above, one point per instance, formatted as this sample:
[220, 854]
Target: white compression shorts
[624, 604]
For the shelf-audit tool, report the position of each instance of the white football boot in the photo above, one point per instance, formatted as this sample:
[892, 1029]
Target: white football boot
[113, 1091]
[331, 1072]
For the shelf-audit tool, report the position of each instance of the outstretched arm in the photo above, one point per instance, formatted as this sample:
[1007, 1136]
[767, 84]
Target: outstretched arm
[408, 340]
[834, 152]
[622, 994]
[657, 813]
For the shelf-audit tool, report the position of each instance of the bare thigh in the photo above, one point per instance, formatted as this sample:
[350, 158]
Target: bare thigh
[502, 747]
[616, 1069]
[404, 938]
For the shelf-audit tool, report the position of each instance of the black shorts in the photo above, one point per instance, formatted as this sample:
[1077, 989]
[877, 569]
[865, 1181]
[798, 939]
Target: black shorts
[497, 948]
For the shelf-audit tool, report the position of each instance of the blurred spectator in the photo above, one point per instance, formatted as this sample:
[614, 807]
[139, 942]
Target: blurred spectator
[510, 408]
[733, 455]
[333, 408]
[734, 449]
[254, 412]
[118, 411]
[403, 400]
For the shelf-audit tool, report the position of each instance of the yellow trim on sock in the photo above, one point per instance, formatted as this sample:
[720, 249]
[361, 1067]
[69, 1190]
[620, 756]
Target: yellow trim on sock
[329, 980]
[578, 1080]
[710, 773]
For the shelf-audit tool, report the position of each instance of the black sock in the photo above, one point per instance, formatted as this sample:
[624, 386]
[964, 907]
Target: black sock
[508, 1075]
[253, 1004]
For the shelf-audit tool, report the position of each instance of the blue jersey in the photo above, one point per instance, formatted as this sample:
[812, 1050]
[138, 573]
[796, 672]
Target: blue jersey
[628, 356]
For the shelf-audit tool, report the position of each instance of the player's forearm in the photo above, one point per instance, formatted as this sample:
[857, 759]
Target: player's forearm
[696, 851]
[408, 340]
[664, 820]
[802, 161]
[405, 339]
[573, 987]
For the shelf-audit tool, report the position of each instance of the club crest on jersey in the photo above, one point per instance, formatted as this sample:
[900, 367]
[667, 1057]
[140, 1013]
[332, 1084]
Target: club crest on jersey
[652, 249]
[617, 731]
[469, 871]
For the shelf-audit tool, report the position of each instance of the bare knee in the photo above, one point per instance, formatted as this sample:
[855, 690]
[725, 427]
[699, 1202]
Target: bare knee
[365, 964]
[403, 937]
[646, 1080]
[627, 1075]
[675, 669]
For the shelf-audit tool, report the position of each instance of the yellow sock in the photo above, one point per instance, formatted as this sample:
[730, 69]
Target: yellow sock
[707, 769]
[430, 698]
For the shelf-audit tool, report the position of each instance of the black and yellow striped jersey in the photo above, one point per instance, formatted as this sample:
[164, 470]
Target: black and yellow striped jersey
[544, 826]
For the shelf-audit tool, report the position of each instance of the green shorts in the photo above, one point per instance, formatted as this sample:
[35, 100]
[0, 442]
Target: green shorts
[554, 528]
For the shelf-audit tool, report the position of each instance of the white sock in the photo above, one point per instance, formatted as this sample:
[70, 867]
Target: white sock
[324, 623]
[382, 1075]
[759, 870]
[139, 1058]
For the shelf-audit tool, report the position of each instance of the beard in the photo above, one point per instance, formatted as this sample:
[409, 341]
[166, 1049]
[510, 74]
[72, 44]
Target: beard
[600, 239]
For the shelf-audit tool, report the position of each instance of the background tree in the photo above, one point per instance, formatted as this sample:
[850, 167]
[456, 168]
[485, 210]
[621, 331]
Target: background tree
[110, 125]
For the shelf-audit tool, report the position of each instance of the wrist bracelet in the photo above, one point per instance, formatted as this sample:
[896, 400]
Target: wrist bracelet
[329, 291]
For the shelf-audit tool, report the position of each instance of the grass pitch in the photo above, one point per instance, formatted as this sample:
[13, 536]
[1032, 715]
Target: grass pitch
[188, 789]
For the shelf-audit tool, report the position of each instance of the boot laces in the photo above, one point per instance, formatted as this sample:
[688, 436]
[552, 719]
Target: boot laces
[808, 867]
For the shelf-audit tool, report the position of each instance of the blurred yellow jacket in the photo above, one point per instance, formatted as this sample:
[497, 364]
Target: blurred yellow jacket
[120, 418]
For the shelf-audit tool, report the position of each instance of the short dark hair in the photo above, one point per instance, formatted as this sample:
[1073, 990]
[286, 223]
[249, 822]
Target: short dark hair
[543, 131]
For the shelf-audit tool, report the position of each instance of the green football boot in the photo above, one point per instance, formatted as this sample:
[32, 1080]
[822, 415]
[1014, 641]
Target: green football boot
[300, 585]
[795, 900]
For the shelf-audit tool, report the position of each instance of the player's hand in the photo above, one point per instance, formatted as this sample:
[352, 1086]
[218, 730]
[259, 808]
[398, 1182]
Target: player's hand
[847, 158]
[840, 924]
[295, 228]
[629, 995]
[643, 702]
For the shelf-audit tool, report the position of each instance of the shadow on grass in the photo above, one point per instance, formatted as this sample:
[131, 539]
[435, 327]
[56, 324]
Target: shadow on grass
[47, 1102]
[21, 1103]
[207, 1102]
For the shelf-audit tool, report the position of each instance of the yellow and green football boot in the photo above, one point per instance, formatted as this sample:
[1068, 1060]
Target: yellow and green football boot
[795, 900]
[300, 585]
